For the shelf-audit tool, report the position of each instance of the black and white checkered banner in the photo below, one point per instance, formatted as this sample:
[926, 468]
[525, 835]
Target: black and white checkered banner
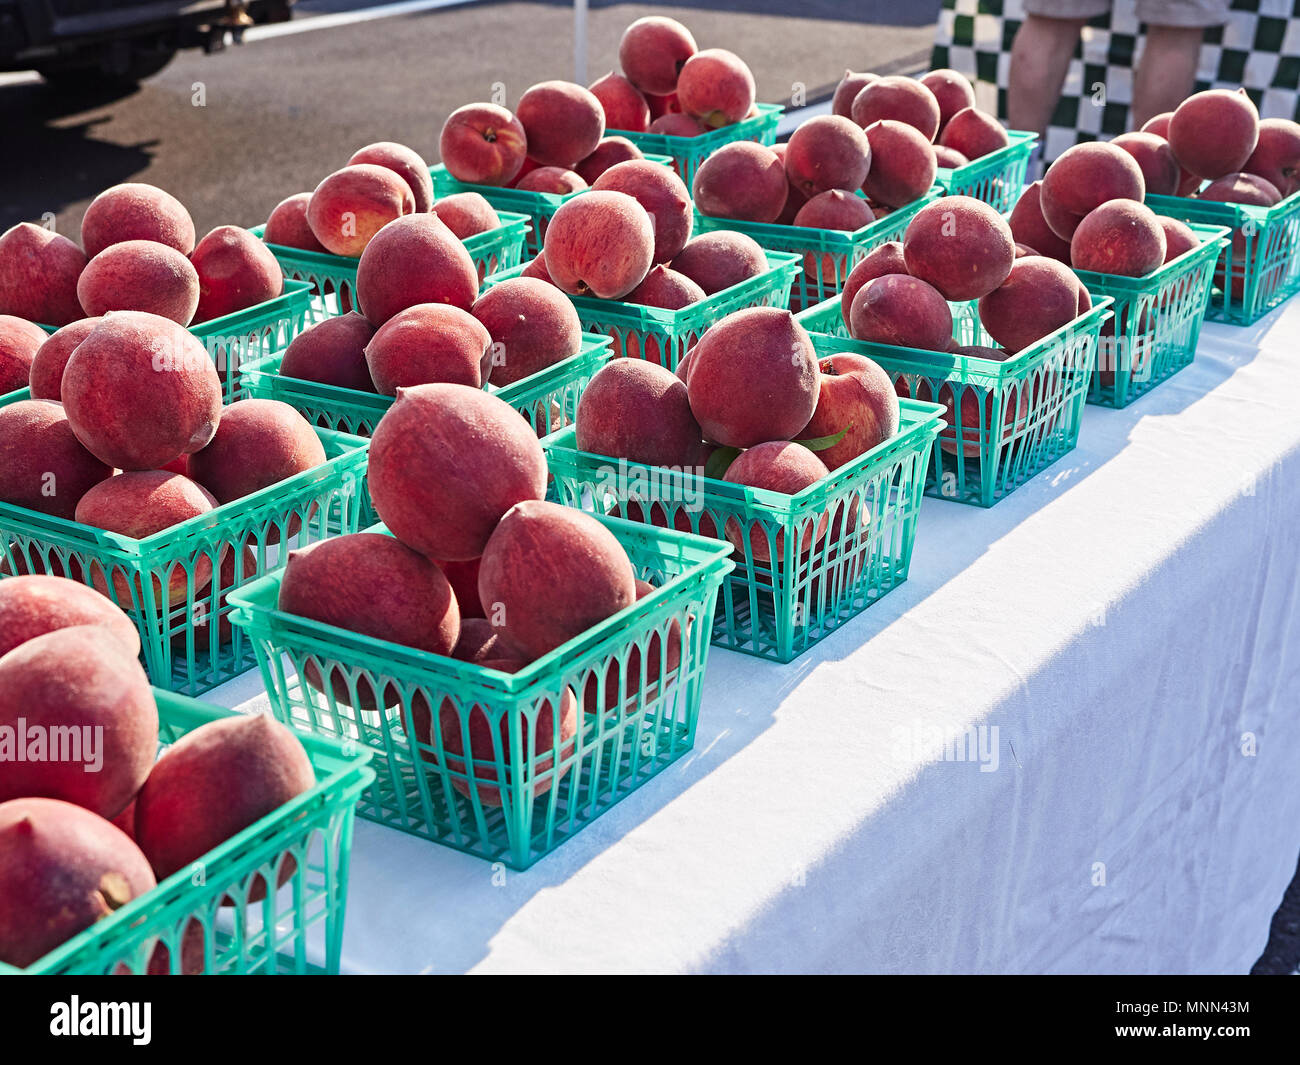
[1259, 47]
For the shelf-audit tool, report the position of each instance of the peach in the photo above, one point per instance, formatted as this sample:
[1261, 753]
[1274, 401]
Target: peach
[414, 260]
[653, 51]
[463, 578]
[140, 390]
[835, 209]
[667, 288]
[42, 464]
[1213, 133]
[332, 352]
[260, 442]
[609, 152]
[536, 268]
[855, 397]
[446, 461]
[38, 275]
[214, 782]
[563, 122]
[676, 124]
[467, 214]
[376, 586]
[287, 227]
[353, 204]
[718, 260]
[428, 343]
[949, 158]
[716, 87]
[1242, 188]
[777, 466]
[1179, 237]
[663, 195]
[1276, 157]
[236, 271]
[45, 377]
[62, 869]
[661, 660]
[20, 340]
[139, 504]
[136, 211]
[827, 152]
[903, 164]
[901, 311]
[403, 161]
[1188, 182]
[662, 105]
[974, 133]
[961, 246]
[623, 103]
[952, 92]
[886, 258]
[1083, 178]
[549, 573]
[753, 378]
[1038, 297]
[31, 606]
[1030, 228]
[483, 144]
[555, 180]
[81, 689]
[1160, 170]
[846, 91]
[488, 745]
[741, 180]
[638, 411]
[236, 569]
[140, 275]
[975, 428]
[794, 199]
[599, 244]
[531, 325]
[898, 99]
[1119, 237]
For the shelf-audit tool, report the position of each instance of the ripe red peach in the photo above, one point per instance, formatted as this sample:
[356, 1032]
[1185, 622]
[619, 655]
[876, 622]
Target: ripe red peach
[664, 196]
[353, 204]
[332, 352]
[563, 122]
[135, 211]
[609, 152]
[33, 605]
[426, 344]
[38, 275]
[899, 99]
[531, 325]
[414, 260]
[952, 91]
[1030, 228]
[741, 180]
[287, 227]
[20, 340]
[886, 258]
[1276, 157]
[43, 466]
[1188, 182]
[600, 244]
[1119, 237]
[1213, 133]
[1179, 237]
[961, 246]
[555, 180]
[777, 466]
[720, 259]
[1160, 170]
[466, 214]
[856, 397]
[1083, 178]
[903, 164]
[827, 152]
[846, 92]
[716, 87]
[140, 275]
[1038, 297]
[949, 158]
[901, 311]
[639, 411]
[260, 442]
[653, 51]
[483, 144]
[236, 271]
[676, 124]
[403, 161]
[974, 133]
[624, 104]
[835, 209]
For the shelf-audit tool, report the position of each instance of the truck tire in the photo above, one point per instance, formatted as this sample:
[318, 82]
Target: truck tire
[140, 63]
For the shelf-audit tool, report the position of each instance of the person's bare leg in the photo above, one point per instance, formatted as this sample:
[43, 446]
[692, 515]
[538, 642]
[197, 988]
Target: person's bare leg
[1040, 58]
[1166, 70]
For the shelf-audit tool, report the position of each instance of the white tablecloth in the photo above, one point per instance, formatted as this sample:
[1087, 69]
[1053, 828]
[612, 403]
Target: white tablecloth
[1123, 635]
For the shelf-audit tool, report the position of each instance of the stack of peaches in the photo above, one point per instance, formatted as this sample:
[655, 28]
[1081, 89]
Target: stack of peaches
[79, 841]
[139, 255]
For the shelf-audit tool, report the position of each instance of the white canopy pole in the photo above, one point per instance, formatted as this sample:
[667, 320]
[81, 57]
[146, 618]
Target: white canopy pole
[580, 41]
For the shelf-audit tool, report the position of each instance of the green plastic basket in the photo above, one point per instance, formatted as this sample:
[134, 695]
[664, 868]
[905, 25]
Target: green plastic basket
[516, 804]
[687, 153]
[866, 512]
[664, 336]
[1260, 266]
[173, 582]
[538, 206]
[1005, 421]
[332, 279]
[997, 178]
[297, 929]
[827, 254]
[1156, 321]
